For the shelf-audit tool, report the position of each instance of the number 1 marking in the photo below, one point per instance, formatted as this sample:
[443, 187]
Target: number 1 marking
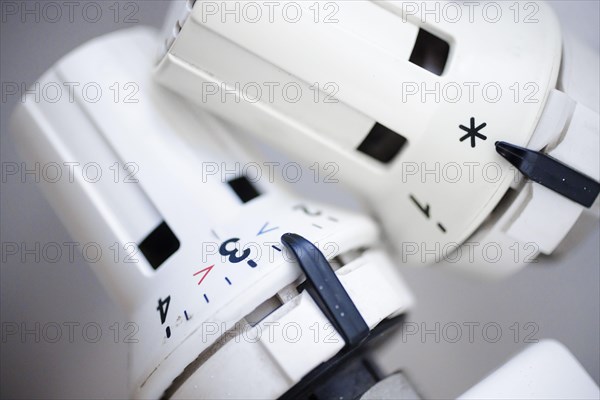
[425, 209]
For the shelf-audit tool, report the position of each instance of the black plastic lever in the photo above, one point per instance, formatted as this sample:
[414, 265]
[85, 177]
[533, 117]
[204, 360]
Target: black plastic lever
[550, 172]
[334, 301]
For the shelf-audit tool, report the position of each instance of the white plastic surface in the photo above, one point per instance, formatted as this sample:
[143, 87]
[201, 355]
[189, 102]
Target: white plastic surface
[172, 145]
[296, 337]
[364, 54]
[546, 370]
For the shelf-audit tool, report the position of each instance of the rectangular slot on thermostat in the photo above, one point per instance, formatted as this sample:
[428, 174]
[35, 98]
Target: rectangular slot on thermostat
[263, 311]
[382, 143]
[159, 245]
[430, 52]
[244, 189]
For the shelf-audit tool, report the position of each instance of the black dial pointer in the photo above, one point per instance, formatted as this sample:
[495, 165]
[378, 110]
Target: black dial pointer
[334, 301]
[551, 173]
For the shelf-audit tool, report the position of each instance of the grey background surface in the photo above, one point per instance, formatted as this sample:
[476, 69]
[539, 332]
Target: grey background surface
[559, 295]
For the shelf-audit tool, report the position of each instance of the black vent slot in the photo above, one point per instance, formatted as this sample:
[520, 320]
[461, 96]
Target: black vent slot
[382, 143]
[159, 245]
[430, 52]
[244, 189]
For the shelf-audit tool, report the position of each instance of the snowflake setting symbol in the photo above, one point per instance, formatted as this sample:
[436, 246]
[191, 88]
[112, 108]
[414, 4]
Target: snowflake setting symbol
[473, 132]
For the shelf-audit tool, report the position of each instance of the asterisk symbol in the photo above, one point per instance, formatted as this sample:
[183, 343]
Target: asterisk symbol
[473, 132]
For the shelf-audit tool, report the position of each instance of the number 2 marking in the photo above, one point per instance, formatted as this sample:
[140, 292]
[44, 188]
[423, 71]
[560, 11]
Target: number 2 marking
[307, 211]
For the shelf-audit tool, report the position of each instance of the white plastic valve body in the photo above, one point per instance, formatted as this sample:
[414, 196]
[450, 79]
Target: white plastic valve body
[545, 370]
[202, 251]
[409, 102]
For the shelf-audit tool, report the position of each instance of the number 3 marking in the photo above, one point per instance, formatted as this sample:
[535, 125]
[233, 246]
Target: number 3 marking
[233, 258]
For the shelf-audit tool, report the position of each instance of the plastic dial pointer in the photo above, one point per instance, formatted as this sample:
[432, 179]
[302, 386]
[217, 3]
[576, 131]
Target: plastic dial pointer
[551, 173]
[328, 290]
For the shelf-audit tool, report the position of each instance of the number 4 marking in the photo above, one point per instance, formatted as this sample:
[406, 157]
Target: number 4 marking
[163, 308]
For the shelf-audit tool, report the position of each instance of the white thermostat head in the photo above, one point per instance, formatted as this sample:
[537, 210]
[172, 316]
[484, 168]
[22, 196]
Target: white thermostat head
[202, 269]
[545, 370]
[409, 99]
